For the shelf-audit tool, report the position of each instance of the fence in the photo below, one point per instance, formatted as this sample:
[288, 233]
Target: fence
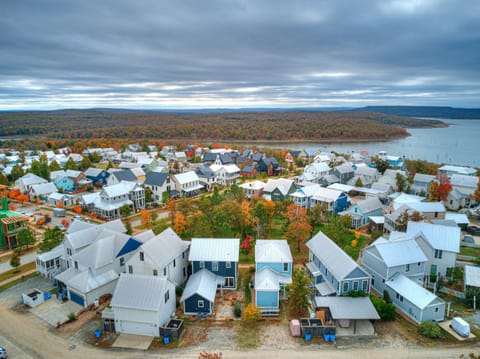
[455, 293]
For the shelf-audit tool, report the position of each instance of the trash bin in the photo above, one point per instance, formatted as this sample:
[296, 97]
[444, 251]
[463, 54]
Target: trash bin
[308, 336]
[166, 340]
[98, 333]
[326, 337]
[332, 338]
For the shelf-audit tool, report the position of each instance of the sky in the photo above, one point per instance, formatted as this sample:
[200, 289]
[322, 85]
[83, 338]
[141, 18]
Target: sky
[178, 54]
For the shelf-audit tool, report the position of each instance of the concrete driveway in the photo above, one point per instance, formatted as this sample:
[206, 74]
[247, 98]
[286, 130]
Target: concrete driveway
[130, 341]
[52, 311]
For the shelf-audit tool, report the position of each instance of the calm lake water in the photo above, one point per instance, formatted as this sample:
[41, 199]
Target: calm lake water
[458, 144]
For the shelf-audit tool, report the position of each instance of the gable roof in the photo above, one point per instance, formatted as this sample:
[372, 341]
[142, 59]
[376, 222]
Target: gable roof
[339, 263]
[156, 178]
[94, 172]
[441, 237]
[327, 195]
[44, 188]
[214, 249]
[164, 248]
[411, 290]
[420, 177]
[350, 308]
[464, 181]
[268, 160]
[186, 177]
[31, 179]
[400, 252]
[148, 291]
[266, 280]
[369, 205]
[272, 251]
[344, 169]
[472, 276]
[203, 283]
[86, 281]
[125, 175]
[282, 184]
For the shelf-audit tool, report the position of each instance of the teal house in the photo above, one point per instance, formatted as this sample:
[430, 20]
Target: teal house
[273, 271]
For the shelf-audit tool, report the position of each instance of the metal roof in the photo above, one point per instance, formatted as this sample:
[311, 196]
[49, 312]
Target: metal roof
[86, 281]
[341, 187]
[203, 283]
[186, 177]
[420, 177]
[325, 288]
[441, 237]
[164, 248]
[472, 276]
[214, 249]
[266, 280]
[411, 290]
[156, 178]
[370, 205]
[458, 218]
[149, 292]
[255, 185]
[464, 181]
[339, 263]
[282, 184]
[326, 195]
[272, 251]
[399, 252]
[360, 308]
[44, 188]
[458, 169]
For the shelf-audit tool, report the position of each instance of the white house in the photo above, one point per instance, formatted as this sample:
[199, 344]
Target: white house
[186, 184]
[112, 198]
[26, 182]
[158, 183]
[142, 304]
[314, 171]
[42, 191]
[165, 255]
[226, 174]
[461, 195]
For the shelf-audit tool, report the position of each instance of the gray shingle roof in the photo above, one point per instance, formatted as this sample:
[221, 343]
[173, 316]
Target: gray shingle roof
[156, 178]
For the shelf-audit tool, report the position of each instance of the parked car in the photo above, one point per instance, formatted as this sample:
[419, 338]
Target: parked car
[473, 230]
[3, 353]
[468, 239]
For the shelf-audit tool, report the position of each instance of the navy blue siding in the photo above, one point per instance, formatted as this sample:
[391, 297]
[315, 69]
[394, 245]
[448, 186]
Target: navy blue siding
[223, 271]
[191, 304]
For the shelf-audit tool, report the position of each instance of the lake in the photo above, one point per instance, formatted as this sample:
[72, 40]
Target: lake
[457, 144]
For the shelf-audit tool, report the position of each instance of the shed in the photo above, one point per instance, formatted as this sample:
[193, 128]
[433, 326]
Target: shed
[199, 294]
[34, 298]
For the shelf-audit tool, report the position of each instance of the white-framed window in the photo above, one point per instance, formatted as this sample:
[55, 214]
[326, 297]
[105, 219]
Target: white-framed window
[155, 272]
[167, 296]
[345, 286]
[200, 304]
[228, 264]
[201, 264]
[142, 256]
[285, 267]
[130, 269]
[174, 263]
[165, 271]
[407, 268]
[364, 285]
[229, 282]
[76, 264]
[214, 266]
[355, 285]
[122, 261]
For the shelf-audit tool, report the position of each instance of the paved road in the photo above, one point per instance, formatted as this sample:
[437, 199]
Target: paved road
[27, 258]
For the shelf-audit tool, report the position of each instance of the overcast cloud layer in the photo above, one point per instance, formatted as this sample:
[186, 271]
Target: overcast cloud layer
[205, 54]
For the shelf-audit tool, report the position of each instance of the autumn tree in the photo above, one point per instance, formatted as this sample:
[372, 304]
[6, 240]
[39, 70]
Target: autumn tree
[299, 228]
[66, 222]
[252, 313]
[402, 183]
[179, 223]
[146, 218]
[299, 292]
[3, 179]
[77, 209]
[54, 166]
[172, 209]
[433, 192]
[444, 187]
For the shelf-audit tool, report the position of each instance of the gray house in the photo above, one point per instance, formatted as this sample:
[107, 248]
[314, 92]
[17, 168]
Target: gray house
[332, 270]
[344, 173]
[415, 301]
[383, 259]
[421, 183]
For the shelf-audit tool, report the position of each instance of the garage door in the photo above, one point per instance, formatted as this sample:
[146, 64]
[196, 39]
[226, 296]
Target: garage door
[138, 328]
[77, 298]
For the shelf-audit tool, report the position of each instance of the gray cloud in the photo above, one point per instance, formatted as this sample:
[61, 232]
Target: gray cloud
[158, 54]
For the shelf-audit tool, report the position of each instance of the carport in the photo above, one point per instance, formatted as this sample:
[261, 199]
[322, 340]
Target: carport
[345, 310]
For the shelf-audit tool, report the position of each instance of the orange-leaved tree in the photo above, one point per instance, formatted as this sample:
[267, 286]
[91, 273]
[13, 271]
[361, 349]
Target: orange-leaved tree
[179, 223]
[146, 218]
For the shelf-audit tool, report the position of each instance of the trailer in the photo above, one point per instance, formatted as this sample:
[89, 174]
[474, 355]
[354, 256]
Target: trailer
[460, 326]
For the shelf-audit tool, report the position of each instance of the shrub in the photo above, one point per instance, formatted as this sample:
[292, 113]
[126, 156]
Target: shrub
[430, 330]
[71, 316]
[386, 296]
[252, 313]
[237, 310]
[384, 309]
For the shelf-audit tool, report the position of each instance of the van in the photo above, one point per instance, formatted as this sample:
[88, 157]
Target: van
[460, 326]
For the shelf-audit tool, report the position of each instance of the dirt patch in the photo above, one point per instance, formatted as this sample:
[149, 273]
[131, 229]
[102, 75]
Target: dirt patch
[79, 322]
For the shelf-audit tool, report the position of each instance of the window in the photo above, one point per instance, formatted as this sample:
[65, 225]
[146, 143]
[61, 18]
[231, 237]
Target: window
[130, 269]
[76, 265]
[214, 266]
[201, 264]
[401, 299]
[142, 257]
[167, 296]
[364, 285]
[345, 286]
[438, 253]
[183, 255]
[436, 310]
[433, 269]
[285, 267]
[407, 268]
[436, 214]
[397, 296]
[69, 251]
[155, 272]
[165, 271]
[184, 272]
[355, 286]
[229, 282]
[228, 264]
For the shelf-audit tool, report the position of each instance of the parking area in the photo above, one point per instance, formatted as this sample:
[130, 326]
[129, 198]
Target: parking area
[53, 311]
[133, 342]
[12, 296]
[445, 325]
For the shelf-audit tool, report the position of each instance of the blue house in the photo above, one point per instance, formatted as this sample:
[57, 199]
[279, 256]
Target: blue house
[97, 176]
[65, 184]
[199, 294]
[273, 270]
[333, 272]
[363, 210]
[336, 201]
[269, 165]
[219, 256]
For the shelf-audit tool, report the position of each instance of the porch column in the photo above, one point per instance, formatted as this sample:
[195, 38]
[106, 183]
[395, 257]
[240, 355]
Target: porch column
[355, 326]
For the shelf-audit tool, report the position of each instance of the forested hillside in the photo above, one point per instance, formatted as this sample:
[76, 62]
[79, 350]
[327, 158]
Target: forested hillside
[281, 126]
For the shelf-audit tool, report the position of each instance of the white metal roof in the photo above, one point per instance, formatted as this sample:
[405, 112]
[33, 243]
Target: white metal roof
[56, 252]
[164, 248]
[272, 251]
[30, 179]
[360, 308]
[424, 207]
[144, 236]
[255, 185]
[326, 195]
[464, 181]
[411, 291]
[332, 256]
[203, 283]
[44, 188]
[458, 218]
[405, 198]
[90, 198]
[400, 252]
[441, 237]
[186, 177]
[458, 169]
[370, 205]
[472, 276]
[266, 280]
[377, 219]
[341, 187]
[149, 292]
[214, 249]
[420, 177]
[86, 281]
[282, 184]
[120, 189]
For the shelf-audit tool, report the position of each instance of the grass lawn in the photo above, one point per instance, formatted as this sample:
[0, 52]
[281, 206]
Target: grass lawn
[248, 335]
[247, 258]
[276, 231]
[470, 251]
[14, 272]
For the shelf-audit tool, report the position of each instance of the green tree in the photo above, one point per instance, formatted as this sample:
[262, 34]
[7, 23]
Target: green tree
[94, 157]
[128, 227]
[148, 195]
[51, 239]
[85, 164]
[17, 172]
[299, 292]
[381, 166]
[402, 183]
[54, 166]
[15, 260]
[385, 310]
[429, 329]
[125, 210]
[26, 237]
[358, 182]
[70, 165]
[476, 194]
[3, 179]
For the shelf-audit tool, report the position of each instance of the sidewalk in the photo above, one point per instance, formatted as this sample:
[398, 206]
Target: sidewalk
[20, 275]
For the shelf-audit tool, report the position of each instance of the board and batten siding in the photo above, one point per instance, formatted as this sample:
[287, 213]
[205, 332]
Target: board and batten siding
[266, 299]
[190, 305]
[222, 271]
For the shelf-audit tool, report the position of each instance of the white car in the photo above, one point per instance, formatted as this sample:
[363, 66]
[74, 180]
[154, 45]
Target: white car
[3, 353]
